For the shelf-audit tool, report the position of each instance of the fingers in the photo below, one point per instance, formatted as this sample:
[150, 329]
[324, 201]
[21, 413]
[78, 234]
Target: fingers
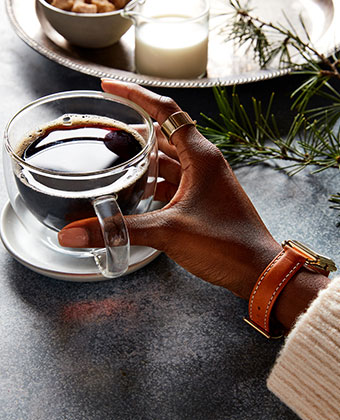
[162, 142]
[158, 107]
[85, 233]
[144, 230]
[164, 145]
[165, 191]
[169, 169]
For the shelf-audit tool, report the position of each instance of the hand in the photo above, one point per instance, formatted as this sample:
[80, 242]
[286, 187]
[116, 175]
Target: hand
[209, 226]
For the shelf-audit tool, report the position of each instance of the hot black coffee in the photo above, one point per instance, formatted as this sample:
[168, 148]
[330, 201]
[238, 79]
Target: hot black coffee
[68, 149]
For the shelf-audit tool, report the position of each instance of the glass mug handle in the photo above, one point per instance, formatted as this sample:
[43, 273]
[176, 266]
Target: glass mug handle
[113, 260]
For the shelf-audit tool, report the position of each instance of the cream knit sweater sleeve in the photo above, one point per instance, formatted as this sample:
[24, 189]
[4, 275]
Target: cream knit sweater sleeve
[306, 375]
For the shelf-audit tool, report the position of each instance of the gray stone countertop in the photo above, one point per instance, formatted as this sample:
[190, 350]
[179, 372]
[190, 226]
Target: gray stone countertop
[159, 343]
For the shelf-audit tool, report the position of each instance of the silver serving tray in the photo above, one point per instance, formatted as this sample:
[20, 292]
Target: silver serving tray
[227, 65]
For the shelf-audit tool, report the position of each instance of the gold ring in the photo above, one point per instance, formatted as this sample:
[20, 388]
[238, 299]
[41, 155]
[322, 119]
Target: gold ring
[175, 122]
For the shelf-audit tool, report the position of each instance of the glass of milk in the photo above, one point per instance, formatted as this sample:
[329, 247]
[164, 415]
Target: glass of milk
[171, 37]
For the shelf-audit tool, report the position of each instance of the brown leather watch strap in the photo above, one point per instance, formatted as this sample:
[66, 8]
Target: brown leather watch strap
[268, 287]
[275, 277]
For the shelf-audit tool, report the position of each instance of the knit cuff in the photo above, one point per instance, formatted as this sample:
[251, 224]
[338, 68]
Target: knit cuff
[306, 375]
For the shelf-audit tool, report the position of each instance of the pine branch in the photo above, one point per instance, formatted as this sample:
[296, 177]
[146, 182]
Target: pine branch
[335, 198]
[271, 42]
[248, 140]
[248, 137]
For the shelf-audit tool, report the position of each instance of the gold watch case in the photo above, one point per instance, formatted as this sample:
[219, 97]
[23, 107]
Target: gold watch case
[314, 260]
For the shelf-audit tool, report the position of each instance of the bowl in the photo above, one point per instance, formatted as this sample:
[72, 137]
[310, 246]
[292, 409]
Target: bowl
[88, 30]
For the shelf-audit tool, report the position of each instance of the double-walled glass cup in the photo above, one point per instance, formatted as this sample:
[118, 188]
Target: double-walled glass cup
[45, 199]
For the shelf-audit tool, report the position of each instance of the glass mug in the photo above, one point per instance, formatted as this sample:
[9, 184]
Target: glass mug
[79, 154]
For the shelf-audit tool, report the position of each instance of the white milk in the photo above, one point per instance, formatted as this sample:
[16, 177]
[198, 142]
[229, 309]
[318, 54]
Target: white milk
[167, 47]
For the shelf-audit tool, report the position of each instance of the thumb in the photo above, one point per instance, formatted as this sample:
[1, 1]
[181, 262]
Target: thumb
[144, 230]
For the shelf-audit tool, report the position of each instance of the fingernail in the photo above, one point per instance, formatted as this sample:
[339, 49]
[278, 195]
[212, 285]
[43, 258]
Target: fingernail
[113, 81]
[73, 238]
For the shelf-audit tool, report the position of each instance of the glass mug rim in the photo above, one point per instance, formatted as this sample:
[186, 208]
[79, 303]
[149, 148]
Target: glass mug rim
[81, 94]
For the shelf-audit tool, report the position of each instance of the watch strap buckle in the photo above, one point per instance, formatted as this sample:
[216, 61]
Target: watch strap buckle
[262, 331]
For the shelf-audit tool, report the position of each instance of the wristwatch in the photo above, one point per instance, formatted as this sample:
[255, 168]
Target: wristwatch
[275, 277]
